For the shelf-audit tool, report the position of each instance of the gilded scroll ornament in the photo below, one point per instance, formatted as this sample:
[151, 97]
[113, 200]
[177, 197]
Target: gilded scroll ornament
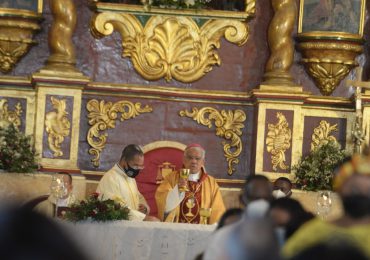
[322, 134]
[102, 116]
[228, 124]
[57, 126]
[10, 117]
[278, 141]
[170, 47]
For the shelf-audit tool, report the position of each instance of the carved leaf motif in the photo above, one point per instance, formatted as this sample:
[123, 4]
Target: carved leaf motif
[10, 117]
[278, 141]
[171, 47]
[102, 116]
[228, 125]
[321, 134]
[57, 126]
[328, 76]
[11, 52]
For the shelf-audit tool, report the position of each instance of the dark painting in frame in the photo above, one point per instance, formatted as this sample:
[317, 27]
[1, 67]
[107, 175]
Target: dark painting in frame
[30, 5]
[337, 16]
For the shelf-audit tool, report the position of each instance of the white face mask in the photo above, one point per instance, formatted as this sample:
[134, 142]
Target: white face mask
[277, 194]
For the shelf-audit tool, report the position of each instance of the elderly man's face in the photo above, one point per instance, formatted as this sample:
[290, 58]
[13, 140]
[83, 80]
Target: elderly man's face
[193, 160]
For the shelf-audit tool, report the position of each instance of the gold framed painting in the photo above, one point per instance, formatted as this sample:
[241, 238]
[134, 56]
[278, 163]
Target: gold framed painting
[28, 5]
[332, 17]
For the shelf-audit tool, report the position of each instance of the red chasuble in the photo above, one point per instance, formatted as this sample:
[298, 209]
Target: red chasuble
[190, 205]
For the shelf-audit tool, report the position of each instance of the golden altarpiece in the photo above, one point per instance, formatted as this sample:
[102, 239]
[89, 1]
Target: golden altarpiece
[87, 78]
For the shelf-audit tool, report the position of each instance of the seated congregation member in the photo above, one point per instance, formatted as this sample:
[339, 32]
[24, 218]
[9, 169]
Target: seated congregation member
[352, 182]
[69, 198]
[282, 188]
[119, 183]
[203, 193]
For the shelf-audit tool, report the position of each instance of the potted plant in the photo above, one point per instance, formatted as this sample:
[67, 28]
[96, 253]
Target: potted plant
[315, 171]
[95, 209]
[17, 153]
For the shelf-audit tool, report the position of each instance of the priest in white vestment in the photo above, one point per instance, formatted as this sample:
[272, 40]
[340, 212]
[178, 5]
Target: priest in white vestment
[119, 183]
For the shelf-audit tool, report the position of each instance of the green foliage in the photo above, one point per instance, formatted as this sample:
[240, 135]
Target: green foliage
[179, 4]
[16, 151]
[97, 210]
[315, 171]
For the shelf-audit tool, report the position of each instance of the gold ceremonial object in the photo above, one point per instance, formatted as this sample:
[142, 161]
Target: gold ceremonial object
[184, 174]
[205, 213]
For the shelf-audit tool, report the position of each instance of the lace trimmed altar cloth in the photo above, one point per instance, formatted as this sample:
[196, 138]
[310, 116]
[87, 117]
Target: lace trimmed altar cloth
[140, 240]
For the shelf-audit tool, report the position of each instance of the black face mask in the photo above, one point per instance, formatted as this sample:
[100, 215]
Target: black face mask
[131, 172]
[356, 206]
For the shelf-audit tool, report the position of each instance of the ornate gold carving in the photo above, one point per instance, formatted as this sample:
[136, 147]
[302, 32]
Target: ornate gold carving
[62, 53]
[10, 117]
[328, 61]
[170, 46]
[103, 116]
[57, 126]
[228, 125]
[321, 134]
[16, 31]
[281, 43]
[278, 141]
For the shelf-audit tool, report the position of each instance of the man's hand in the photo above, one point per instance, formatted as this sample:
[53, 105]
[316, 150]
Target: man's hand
[151, 218]
[143, 208]
[183, 182]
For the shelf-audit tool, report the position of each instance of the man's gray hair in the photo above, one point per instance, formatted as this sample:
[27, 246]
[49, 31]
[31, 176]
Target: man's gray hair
[201, 150]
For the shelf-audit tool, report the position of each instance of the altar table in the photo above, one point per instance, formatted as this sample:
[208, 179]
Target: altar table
[140, 240]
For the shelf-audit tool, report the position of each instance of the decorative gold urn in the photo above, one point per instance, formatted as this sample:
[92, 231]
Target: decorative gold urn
[329, 60]
[17, 27]
[330, 38]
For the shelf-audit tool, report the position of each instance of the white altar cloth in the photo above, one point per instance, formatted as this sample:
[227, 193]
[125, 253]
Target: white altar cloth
[133, 240]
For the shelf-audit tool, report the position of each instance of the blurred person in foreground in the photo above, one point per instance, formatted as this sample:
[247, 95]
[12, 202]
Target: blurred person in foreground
[119, 183]
[287, 216]
[229, 217]
[203, 192]
[352, 182]
[334, 249]
[27, 234]
[253, 236]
